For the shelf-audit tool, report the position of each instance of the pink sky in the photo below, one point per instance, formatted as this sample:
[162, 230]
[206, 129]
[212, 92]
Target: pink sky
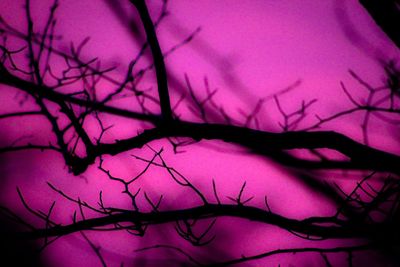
[248, 50]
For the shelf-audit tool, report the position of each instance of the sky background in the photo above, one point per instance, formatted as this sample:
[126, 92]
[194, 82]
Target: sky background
[248, 50]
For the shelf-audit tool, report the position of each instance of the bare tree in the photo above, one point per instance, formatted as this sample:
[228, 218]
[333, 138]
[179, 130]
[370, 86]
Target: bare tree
[63, 89]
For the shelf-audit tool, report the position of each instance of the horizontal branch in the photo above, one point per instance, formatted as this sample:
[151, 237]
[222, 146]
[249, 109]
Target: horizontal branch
[270, 144]
[347, 249]
[212, 211]
[28, 147]
[19, 114]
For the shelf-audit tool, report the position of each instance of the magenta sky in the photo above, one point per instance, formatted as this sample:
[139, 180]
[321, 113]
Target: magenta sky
[249, 50]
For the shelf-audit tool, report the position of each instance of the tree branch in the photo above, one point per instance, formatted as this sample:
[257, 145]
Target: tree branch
[218, 210]
[158, 58]
[386, 13]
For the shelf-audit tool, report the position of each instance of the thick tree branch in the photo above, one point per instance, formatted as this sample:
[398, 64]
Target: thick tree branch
[386, 13]
[19, 114]
[158, 58]
[268, 144]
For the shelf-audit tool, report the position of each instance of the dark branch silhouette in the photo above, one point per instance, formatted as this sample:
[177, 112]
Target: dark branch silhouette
[387, 15]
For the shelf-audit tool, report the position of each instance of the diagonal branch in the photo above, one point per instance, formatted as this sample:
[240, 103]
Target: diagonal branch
[46, 92]
[387, 15]
[158, 58]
